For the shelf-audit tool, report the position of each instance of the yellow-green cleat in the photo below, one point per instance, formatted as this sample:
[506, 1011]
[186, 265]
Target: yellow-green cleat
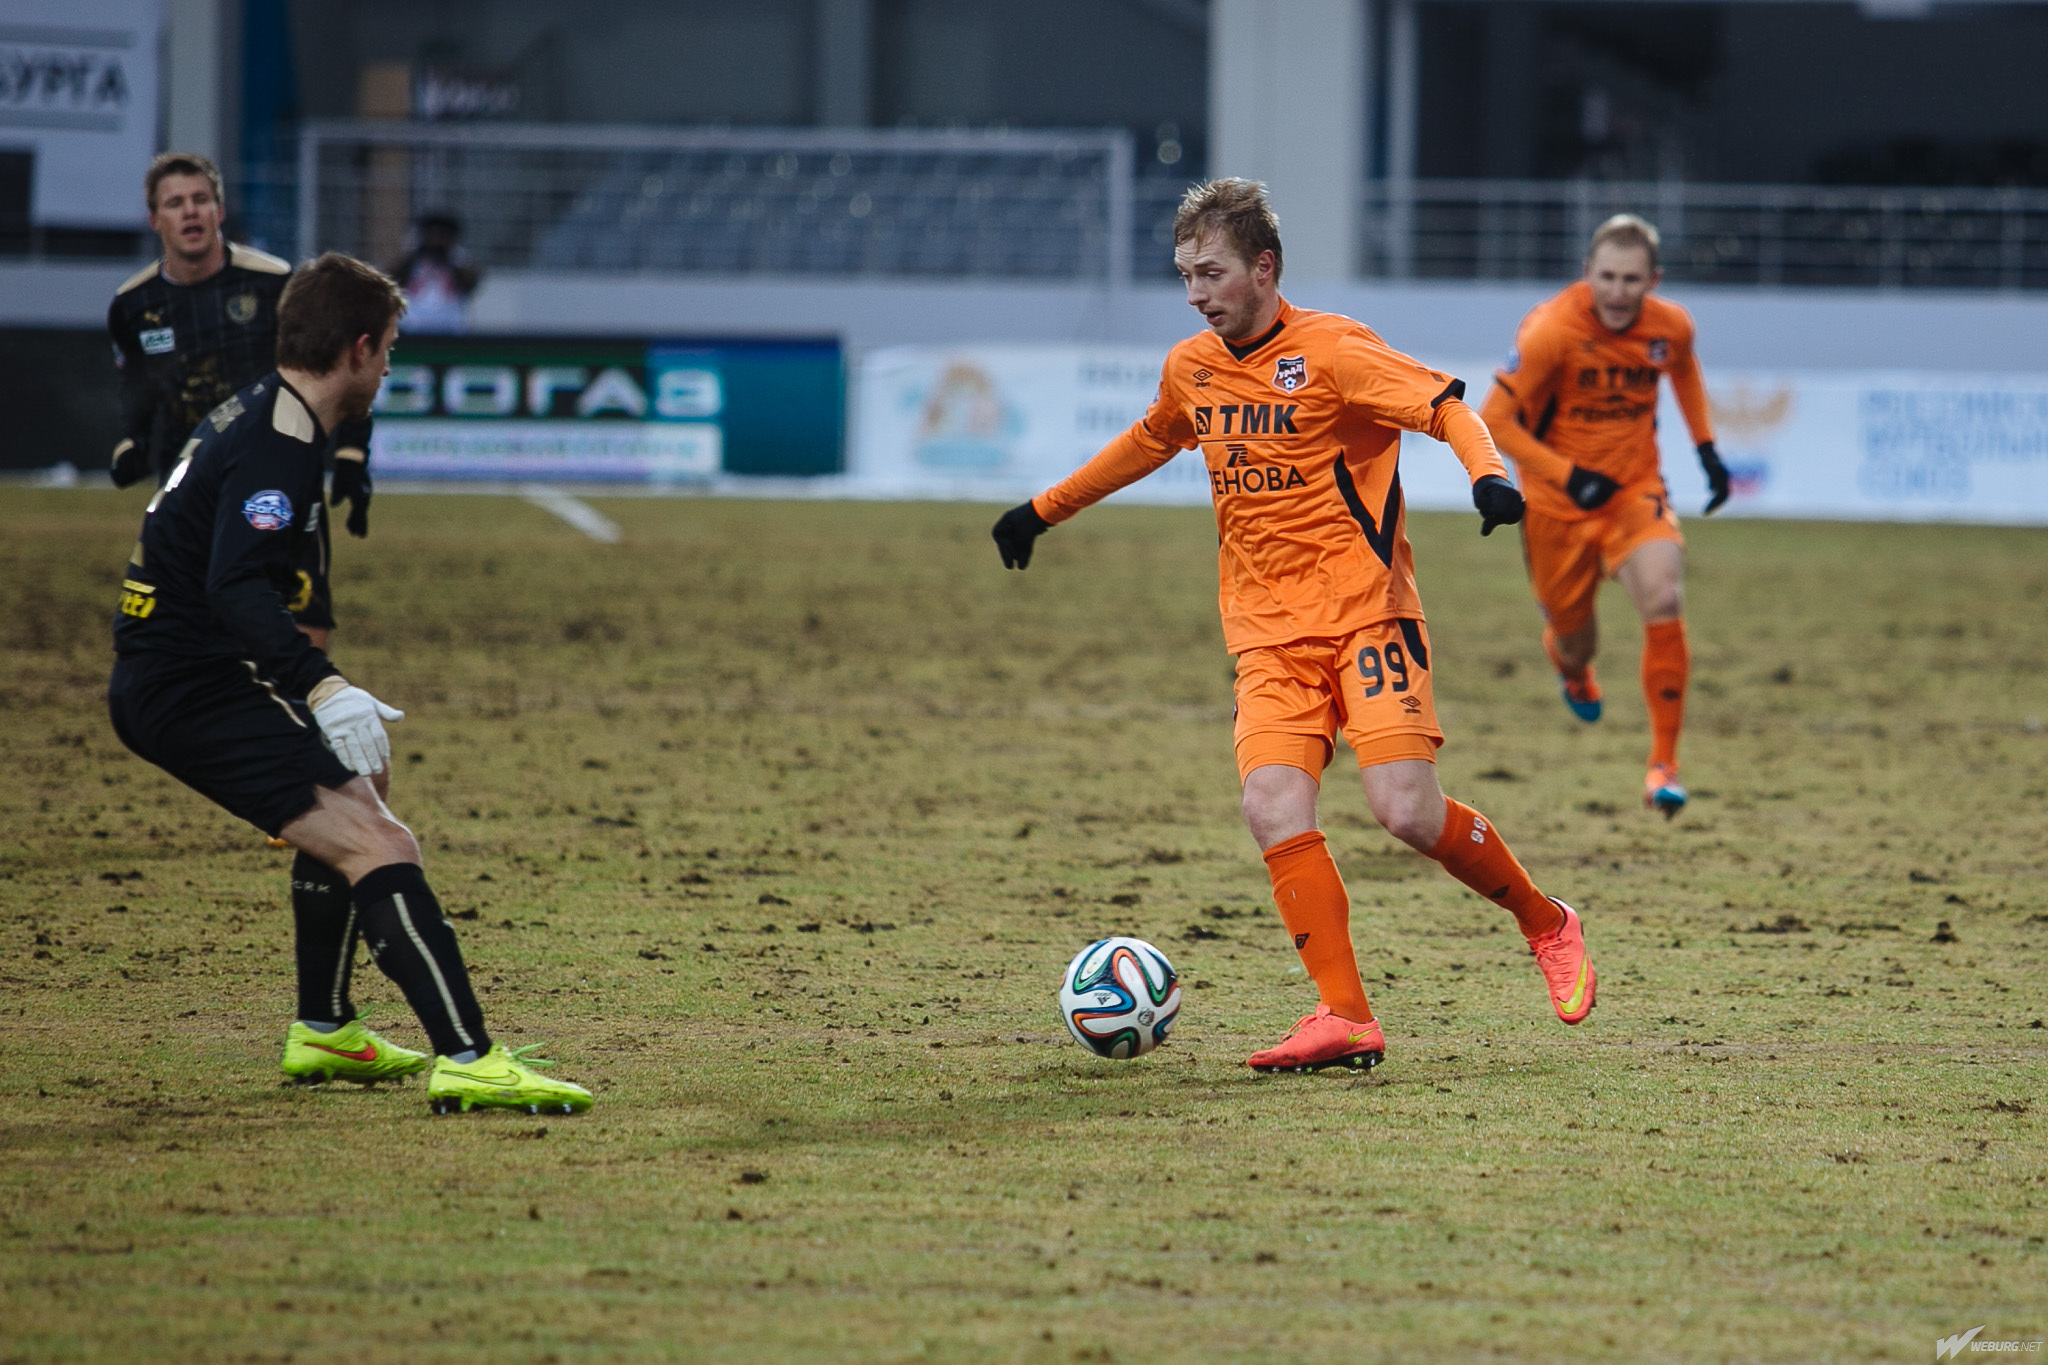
[350, 1053]
[502, 1079]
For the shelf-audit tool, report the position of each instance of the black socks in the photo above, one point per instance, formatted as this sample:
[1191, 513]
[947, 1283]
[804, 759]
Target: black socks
[325, 914]
[412, 943]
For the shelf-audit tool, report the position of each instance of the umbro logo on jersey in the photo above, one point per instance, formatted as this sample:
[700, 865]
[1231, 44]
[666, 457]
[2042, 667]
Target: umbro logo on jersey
[1202, 378]
[1249, 419]
[1290, 372]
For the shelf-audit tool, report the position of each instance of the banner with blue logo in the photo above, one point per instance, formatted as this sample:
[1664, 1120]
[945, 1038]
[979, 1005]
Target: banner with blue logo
[608, 410]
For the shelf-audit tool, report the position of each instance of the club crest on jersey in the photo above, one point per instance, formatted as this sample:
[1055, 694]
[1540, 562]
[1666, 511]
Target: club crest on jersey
[1290, 372]
[1513, 362]
[241, 308]
[1660, 351]
[269, 510]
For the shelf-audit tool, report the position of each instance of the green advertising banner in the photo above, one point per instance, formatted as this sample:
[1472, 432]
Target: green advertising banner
[587, 410]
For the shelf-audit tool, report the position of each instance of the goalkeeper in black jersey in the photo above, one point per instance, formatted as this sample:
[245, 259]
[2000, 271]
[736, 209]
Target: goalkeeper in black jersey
[214, 684]
[193, 328]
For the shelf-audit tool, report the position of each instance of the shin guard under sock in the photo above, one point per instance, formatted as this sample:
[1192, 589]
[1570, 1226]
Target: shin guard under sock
[1313, 904]
[1667, 663]
[324, 915]
[1471, 850]
[413, 945]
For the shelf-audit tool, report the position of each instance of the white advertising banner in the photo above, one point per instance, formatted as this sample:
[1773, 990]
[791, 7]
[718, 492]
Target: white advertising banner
[1001, 422]
[1855, 445]
[78, 90]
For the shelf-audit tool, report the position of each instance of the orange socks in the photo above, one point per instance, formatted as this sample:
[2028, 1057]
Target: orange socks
[1666, 664]
[1317, 912]
[1471, 850]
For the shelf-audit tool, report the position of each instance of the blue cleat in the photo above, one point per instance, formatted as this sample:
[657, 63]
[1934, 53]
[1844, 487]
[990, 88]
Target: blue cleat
[1661, 790]
[1583, 696]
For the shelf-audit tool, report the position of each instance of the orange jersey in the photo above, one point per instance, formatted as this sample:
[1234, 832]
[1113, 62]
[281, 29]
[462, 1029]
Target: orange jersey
[1584, 395]
[1301, 429]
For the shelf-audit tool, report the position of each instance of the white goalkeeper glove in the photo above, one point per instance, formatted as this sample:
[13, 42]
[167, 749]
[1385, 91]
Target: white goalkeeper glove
[352, 723]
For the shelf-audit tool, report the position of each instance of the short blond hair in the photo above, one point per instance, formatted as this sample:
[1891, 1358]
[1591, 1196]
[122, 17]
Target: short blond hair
[181, 163]
[1237, 208]
[1627, 229]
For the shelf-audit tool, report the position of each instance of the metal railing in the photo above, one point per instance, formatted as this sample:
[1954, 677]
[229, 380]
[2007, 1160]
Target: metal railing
[1020, 205]
[1057, 206]
[1720, 234]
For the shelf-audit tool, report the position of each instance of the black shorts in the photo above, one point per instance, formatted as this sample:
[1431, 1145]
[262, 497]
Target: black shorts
[224, 732]
[310, 599]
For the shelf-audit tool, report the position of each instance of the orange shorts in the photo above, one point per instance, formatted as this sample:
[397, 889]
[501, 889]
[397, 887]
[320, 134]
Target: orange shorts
[1569, 559]
[1373, 684]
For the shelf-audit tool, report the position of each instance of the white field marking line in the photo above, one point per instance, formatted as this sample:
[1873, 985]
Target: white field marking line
[573, 510]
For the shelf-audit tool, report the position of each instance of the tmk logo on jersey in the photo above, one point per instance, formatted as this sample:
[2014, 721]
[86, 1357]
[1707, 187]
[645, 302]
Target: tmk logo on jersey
[269, 510]
[1249, 419]
[1290, 372]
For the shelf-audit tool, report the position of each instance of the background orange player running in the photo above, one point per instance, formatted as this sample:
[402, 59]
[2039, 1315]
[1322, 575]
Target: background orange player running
[1576, 405]
[1299, 416]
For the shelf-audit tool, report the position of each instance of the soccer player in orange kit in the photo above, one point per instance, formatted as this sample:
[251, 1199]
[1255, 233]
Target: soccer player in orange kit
[1299, 416]
[1576, 405]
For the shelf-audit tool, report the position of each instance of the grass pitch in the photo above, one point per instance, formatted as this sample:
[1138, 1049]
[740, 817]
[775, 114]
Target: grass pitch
[777, 823]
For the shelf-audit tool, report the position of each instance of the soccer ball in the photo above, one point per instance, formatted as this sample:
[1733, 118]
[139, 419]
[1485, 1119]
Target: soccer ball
[1120, 997]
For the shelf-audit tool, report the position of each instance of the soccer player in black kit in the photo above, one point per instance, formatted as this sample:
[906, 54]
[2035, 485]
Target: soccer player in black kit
[194, 327]
[215, 684]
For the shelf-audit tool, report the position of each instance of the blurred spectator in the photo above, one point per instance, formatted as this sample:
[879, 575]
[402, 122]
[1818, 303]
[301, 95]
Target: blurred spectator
[437, 277]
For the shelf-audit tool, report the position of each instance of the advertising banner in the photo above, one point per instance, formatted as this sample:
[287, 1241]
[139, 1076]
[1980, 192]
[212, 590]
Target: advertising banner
[998, 423]
[78, 94]
[608, 410]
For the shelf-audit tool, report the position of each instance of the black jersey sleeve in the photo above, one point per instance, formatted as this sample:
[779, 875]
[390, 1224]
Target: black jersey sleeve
[267, 491]
[140, 411]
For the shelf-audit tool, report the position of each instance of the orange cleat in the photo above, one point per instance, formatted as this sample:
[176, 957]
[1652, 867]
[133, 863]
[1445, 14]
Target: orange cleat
[1661, 791]
[1324, 1039]
[1566, 968]
[1582, 696]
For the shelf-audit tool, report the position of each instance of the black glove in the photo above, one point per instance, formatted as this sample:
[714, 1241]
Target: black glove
[1014, 533]
[1717, 476]
[352, 473]
[352, 486]
[1499, 503]
[129, 465]
[1588, 490]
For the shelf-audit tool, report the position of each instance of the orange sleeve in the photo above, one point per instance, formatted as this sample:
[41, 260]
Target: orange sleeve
[1690, 388]
[1163, 432]
[1504, 420]
[1530, 369]
[1460, 428]
[1393, 389]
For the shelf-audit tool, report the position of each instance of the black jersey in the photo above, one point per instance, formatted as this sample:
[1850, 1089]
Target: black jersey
[183, 349]
[216, 563]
